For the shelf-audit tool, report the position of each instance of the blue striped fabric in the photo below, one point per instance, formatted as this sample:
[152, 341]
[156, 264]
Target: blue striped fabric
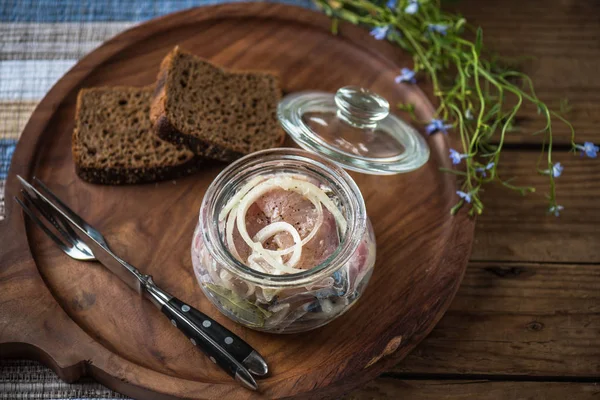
[100, 11]
[39, 41]
[33, 54]
[7, 147]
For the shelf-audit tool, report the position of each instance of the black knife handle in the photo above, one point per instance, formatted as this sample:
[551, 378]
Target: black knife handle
[191, 329]
[208, 335]
[234, 345]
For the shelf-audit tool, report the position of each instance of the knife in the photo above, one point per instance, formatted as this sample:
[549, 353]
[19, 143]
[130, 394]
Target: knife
[223, 347]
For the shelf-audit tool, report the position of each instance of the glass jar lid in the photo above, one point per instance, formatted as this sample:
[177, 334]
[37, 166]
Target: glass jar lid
[355, 129]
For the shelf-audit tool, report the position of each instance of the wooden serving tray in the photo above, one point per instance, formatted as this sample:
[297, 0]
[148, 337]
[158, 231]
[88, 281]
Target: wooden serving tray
[81, 320]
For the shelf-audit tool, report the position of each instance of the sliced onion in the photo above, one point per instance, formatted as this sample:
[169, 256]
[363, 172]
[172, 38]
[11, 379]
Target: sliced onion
[325, 283]
[305, 188]
[266, 295]
[253, 262]
[302, 187]
[319, 222]
[226, 279]
[312, 233]
[236, 198]
[245, 203]
[281, 226]
[255, 265]
[249, 194]
[279, 307]
[229, 234]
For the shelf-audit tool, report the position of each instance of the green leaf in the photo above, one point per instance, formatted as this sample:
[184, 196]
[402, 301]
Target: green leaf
[479, 40]
[348, 16]
[241, 308]
[334, 25]
[403, 43]
[565, 107]
[406, 107]
[410, 108]
[456, 207]
[453, 171]
[463, 75]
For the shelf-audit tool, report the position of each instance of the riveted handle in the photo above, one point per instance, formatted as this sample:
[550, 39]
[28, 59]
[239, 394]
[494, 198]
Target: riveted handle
[222, 346]
[233, 344]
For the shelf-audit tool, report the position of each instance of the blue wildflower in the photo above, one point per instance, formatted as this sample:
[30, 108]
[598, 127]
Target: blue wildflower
[391, 4]
[483, 169]
[589, 149]
[380, 32]
[556, 210]
[557, 169]
[437, 125]
[456, 157]
[407, 75]
[465, 196]
[412, 7]
[439, 28]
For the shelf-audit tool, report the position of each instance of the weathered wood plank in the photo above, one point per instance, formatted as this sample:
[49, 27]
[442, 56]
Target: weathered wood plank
[517, 319]
[560, 41]
[389, 388]
[516, 228]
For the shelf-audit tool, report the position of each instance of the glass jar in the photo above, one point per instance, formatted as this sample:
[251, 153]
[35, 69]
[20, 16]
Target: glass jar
[292, 302]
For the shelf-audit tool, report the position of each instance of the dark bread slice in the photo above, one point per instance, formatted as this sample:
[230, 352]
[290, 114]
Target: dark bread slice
[113, 142]
[217, 114]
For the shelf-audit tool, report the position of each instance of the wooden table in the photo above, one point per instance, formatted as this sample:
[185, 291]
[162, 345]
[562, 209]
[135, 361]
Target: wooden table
[526, 321]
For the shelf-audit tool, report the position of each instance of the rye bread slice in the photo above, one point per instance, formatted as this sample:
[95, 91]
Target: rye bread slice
[217, 114]
[113, 142]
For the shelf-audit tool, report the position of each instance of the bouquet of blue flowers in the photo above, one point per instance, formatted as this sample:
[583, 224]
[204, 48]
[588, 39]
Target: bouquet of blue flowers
[473, 90]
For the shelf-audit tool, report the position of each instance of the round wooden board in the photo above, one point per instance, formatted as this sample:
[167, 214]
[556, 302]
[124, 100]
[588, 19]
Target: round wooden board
[81, 320]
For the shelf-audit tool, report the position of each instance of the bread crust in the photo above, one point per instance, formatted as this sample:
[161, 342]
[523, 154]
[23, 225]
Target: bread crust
[165, 129]
[130, 176]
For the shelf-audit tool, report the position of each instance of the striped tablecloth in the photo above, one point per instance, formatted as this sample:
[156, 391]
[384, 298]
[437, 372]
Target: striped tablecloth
[39, 41]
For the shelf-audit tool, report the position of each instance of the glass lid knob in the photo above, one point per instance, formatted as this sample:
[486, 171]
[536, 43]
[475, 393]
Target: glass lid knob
[360, 107]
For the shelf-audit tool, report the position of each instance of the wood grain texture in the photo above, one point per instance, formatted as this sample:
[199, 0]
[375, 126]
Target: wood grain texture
[71, 321]
[388, 388]
[559, 41]
[517, 228]
[517, 319]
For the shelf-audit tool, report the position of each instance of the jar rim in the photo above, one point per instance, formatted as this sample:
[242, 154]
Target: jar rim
[255, 164]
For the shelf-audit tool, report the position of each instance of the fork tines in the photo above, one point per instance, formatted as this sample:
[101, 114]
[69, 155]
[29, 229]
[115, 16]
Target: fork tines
[67, 239]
